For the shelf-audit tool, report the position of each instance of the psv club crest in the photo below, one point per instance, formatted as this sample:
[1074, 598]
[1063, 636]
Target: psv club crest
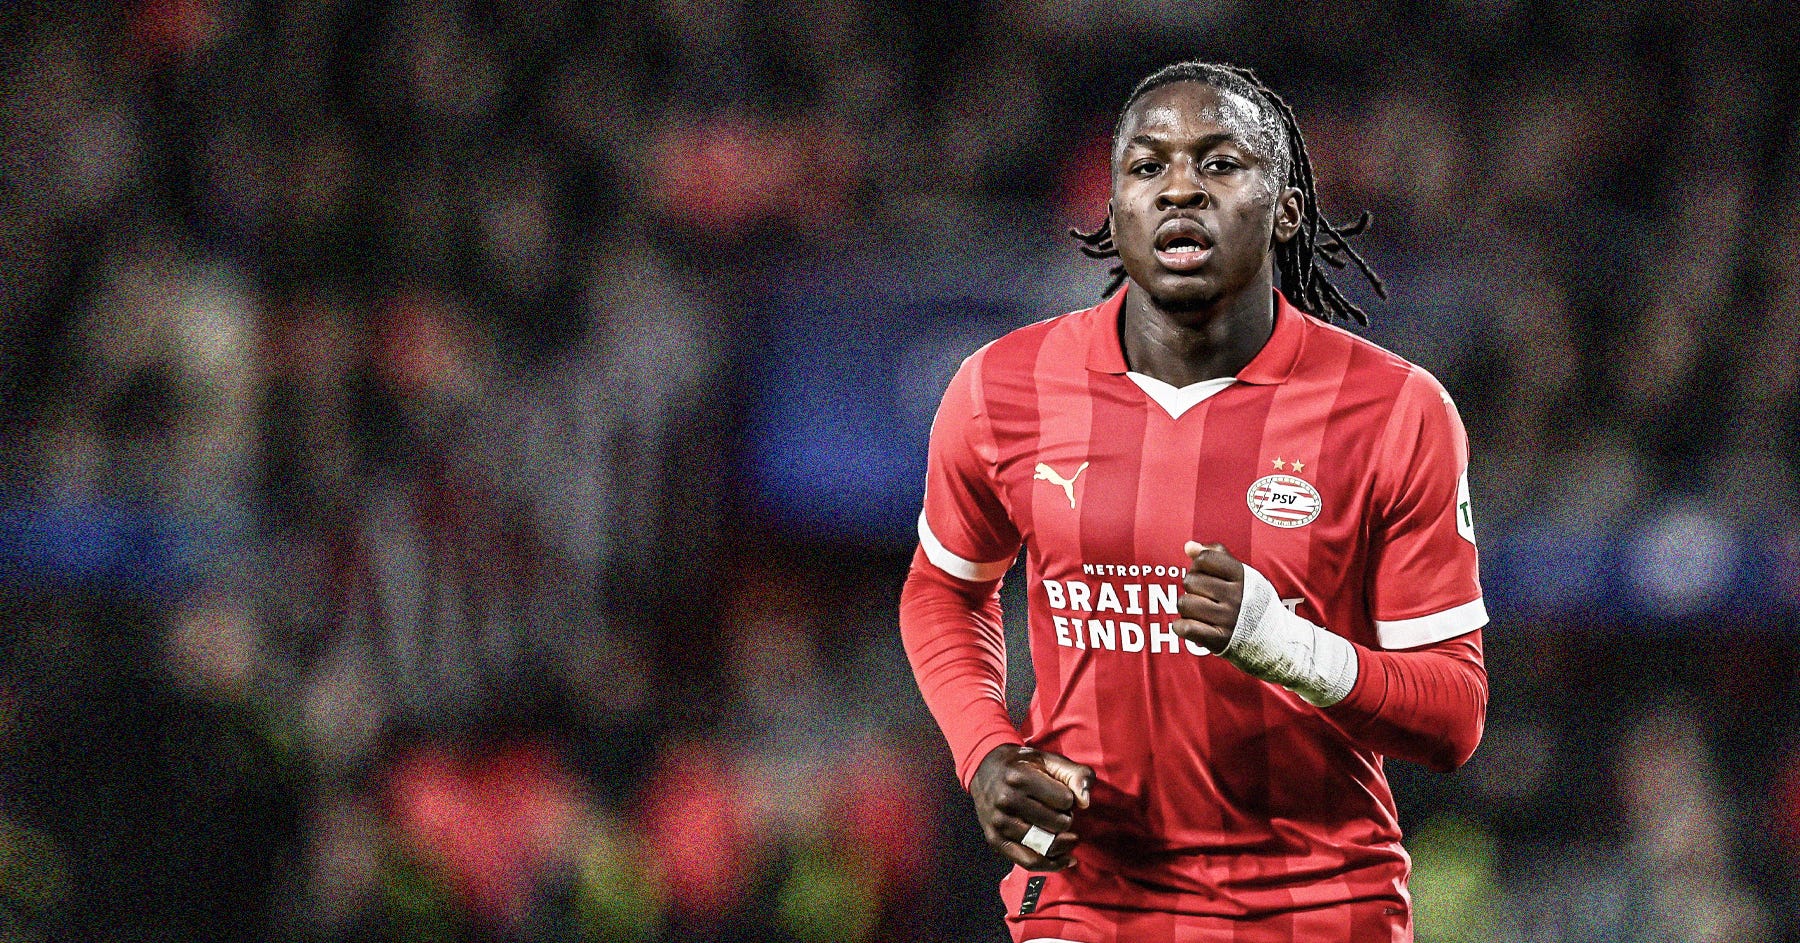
[1283, 501]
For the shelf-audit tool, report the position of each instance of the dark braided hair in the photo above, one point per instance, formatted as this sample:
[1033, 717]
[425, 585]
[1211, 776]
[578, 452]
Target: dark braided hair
[1297, 259]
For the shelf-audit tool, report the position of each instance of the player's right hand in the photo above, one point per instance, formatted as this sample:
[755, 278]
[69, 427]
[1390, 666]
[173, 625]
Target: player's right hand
[1017, 787]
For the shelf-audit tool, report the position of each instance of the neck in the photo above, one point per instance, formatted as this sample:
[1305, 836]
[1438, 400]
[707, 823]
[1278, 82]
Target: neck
[1183, 347]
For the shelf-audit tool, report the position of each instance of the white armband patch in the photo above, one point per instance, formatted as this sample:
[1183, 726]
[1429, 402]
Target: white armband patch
[1279, 647]
[1465, 510]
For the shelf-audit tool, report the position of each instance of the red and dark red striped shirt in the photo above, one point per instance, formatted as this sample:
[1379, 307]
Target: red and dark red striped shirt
[1332, 466]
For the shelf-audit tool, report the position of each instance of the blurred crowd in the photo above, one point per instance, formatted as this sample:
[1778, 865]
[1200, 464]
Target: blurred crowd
[377, 559]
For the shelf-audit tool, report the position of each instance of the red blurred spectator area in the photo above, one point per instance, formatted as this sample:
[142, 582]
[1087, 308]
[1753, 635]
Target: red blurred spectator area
[492, 823]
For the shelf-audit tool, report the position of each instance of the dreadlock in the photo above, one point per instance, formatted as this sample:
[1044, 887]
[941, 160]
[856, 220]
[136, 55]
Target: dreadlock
[1318, 238]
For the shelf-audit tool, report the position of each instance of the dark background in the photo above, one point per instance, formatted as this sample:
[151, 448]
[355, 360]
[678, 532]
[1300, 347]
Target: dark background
[459, 459]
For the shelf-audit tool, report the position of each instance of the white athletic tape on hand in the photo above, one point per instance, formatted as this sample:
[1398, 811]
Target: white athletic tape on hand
[1280, 647]
[1038, 840]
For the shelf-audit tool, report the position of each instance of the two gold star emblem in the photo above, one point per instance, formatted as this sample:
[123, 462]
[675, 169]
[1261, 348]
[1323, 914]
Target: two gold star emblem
[1283, 466]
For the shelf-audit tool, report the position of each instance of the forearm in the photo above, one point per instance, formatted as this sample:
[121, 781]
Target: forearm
[955, 642]
[1427, 705]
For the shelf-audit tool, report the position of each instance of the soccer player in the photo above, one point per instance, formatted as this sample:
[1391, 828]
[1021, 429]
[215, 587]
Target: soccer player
[1251, 562]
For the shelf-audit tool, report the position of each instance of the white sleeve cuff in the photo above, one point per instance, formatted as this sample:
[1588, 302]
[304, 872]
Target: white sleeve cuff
[954, 565]
[1436, 627]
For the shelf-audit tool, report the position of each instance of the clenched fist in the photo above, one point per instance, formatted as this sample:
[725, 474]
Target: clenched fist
[1016, 788]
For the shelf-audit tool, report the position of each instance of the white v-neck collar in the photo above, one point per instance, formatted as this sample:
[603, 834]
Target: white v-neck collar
[1177, 400]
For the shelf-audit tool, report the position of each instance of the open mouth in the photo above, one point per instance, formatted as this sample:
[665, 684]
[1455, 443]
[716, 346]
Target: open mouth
[1182, 246]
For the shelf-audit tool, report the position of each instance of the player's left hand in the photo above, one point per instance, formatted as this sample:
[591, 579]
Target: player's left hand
[1213, 592]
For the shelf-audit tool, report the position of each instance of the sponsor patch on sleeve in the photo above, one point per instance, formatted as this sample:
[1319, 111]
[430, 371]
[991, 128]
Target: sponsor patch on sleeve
[1465, 512]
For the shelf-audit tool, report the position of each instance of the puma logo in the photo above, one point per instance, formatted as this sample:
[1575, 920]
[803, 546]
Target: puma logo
[1046, 473]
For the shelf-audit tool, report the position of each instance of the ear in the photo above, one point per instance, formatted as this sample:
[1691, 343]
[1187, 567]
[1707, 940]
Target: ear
[1290, 208]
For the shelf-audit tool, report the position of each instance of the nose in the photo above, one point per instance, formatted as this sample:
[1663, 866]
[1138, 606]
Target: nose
[1182, 188]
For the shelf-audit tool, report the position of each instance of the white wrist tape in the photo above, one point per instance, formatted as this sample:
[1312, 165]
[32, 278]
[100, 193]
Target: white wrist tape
[1281, 648]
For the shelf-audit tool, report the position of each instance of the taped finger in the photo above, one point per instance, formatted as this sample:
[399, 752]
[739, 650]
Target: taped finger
[1038, 840]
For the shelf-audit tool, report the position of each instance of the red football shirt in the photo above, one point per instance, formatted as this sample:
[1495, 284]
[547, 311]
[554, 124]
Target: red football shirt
[1332, 466]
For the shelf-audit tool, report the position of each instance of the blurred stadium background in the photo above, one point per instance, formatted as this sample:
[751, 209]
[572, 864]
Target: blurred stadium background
[459, 458]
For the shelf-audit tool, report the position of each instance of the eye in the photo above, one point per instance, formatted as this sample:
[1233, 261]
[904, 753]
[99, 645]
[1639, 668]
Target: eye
[1222, 165]
[1144, 168]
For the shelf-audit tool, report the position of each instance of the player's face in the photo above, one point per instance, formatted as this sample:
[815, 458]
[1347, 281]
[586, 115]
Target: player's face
[1196, 207]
